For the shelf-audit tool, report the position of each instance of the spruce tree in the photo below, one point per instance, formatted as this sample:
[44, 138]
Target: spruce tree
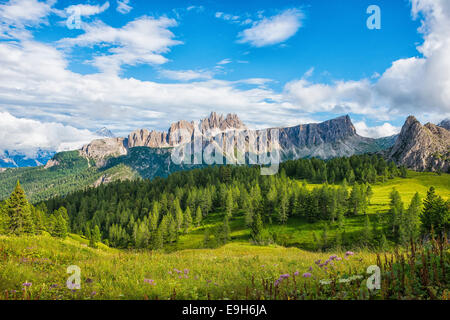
[435, 214]
[198, 216]
[187, 220]
[256, 229]
[19, 212]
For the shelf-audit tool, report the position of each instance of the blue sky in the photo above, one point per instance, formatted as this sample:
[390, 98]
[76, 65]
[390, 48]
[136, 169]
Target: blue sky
[133, 64]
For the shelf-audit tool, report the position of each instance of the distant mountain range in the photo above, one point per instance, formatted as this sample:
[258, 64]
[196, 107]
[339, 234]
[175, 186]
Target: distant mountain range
[14, 159]
[147, 154]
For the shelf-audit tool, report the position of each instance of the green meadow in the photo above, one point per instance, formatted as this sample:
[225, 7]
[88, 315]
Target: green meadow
[35, 267]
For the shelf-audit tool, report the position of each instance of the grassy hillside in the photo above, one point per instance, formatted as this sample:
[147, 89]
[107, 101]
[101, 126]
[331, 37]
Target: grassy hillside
[300, 233]
[217, 273]
[35, 268]
[72, 173]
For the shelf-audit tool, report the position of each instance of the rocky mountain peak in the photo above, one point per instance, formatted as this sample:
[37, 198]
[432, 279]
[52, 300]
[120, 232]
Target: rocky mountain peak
[214, 121]
[445, 124]
[422, 147]
[105, 132]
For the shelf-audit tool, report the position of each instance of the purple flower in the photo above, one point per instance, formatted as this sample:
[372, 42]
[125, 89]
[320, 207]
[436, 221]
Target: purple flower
[318, 261]
[296, 273]
[150, 281]
[176, 270]
[307, 275]
[285, 276]
[338, 259]
[89, 280]
[349, 253]
[93, 293]
[170, 272]
[310, 268]
[53, 286]
[277, 282]
[333, 257]
[27, 284]
[186, 271]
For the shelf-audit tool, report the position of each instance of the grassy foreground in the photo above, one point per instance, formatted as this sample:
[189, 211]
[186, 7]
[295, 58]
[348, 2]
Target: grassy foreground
[35, 268]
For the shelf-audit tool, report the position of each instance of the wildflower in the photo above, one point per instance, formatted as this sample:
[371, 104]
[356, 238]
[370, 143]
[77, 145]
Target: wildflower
[277, 282]
[27, 284]
[310, 268]
[333, 257]
[186, 271]
[318, 261]
[150, 281]
[296, 273]
[338, 259]
[176, 270]
[93, 293]
[170, 272]
[349, 253]
[307, 275]
[89, 280]
[54, 286]
[285, 276]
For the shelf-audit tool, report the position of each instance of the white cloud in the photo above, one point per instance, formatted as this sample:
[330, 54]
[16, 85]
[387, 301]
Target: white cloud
[26, 136]
[338, 97]
[86, 10]
[186, 75]
[142, 41]
[123, 6]
[422, 84]
[16, 15]
[273, 30]
[384, 130]
[224, 61]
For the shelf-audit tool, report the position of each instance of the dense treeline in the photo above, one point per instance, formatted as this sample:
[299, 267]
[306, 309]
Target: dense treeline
[19, 217]
[150, 214]
[153, 213]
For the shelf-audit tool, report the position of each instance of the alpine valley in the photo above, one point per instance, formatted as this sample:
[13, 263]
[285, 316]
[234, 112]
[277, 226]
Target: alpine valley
[145, 154]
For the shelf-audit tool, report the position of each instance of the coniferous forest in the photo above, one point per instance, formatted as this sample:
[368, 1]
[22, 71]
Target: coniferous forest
[154, 213]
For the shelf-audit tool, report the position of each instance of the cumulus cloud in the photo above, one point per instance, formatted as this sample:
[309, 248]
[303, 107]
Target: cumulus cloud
[273, 30]
[16, 15]
[384, 130]
[27, 136]
[142, 41]
[422, 84]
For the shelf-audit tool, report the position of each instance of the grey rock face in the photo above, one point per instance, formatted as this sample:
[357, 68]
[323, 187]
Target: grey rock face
[422, 148]
[105, 132]
[102, 149]
[445, 124]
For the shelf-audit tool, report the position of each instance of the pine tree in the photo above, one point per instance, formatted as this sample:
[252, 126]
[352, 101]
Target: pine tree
[60, 225]
[396, 213]
[409, 228]
[187, 220]
[19, 212]
[229, 204]
[435, 214]
[256, 229]
[225, 232]
[158, 240]
[283, 207]
[4, 220]
[95, 237]
[367, 231]
[198, 216]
